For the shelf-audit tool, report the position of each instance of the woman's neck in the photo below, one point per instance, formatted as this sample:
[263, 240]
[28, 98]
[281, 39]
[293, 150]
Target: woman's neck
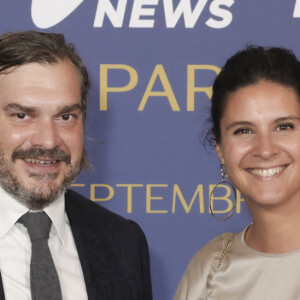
[274, 233]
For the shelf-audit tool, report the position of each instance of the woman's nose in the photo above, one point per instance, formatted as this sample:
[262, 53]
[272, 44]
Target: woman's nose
[265, 146]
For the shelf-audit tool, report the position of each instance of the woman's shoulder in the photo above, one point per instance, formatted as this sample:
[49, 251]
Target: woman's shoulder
[216, 243]
[210, 255]
[203, 266]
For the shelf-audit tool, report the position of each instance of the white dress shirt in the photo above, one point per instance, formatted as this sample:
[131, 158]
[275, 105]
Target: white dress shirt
[15, 251]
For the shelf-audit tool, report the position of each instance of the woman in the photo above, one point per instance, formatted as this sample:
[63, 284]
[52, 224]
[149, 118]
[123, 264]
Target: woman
[256, 128]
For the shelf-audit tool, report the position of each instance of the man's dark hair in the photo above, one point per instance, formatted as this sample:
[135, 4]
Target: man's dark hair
[20, 48]
[247, 67]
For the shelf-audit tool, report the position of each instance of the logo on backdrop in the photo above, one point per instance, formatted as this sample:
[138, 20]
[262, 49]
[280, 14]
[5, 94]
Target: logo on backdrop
[297, 9]
[48, 13]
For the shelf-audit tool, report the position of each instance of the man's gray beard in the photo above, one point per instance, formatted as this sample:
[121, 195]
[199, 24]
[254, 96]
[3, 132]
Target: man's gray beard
[42, 195]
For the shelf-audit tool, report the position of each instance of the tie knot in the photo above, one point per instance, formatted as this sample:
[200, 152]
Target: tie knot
[38, 225]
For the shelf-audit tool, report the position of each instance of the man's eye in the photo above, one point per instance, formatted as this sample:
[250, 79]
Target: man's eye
[21, 116]
[66, 117]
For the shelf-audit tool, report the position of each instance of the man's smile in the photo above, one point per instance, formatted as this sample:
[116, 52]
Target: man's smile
[40, 161]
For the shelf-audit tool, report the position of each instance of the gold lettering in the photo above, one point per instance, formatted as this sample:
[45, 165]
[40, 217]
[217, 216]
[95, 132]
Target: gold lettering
[168, 92]
[239, 199]
[77, 185]
[110, 189]
[129, 194]
[187, 208]
[105, 89]
[192, 89]
[149, 198]
[223, 198]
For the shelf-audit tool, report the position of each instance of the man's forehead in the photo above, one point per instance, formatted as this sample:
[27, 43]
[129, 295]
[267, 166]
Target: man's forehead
[40, 86]
[26, 108]
[58, 75]
[30, 69]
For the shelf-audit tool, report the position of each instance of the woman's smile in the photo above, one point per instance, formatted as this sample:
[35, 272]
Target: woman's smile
[266, 172]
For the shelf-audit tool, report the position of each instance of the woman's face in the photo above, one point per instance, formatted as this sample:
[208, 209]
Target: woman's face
[260, 143]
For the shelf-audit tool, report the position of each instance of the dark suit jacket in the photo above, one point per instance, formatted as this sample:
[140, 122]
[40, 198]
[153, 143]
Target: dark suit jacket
[113, 252]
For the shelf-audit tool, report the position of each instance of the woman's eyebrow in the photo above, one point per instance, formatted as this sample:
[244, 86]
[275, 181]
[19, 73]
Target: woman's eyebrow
[238, 123]
[287, 118]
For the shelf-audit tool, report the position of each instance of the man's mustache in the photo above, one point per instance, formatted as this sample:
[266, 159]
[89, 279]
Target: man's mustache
[38, 153]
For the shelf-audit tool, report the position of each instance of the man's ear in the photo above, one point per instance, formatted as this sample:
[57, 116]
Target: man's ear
[220, 153]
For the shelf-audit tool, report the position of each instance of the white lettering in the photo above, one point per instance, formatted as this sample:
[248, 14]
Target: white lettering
[223, 14]
[116, 16]
[138, 10]
[183, 8]
[297, 9]
[48, 13]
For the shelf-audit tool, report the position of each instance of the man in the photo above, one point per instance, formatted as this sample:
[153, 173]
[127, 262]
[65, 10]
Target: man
[96, 253]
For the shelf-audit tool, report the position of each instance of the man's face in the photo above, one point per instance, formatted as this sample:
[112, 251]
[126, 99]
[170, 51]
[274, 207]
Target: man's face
[41, 131]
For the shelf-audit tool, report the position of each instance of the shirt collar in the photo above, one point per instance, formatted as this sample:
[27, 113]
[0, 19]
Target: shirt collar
[11, 210]
[56, 212]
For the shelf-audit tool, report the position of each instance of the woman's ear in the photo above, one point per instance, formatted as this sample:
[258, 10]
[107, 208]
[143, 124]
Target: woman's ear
[220, 153]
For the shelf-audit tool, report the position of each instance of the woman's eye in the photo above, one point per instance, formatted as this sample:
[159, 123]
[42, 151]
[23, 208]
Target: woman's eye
[285, 127]
[242, 131]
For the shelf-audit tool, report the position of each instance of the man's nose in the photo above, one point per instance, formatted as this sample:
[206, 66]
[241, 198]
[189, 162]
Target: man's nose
[46, 135]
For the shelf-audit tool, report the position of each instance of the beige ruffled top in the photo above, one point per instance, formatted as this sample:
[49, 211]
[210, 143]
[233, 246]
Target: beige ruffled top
[227, 269]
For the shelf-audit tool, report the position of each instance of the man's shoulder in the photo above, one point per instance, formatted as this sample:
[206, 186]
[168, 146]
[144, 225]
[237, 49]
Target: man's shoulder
[84, 212]
[115, 249]
[85, 205]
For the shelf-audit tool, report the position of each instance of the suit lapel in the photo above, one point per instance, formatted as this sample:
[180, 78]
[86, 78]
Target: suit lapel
[94, 250]
[108, 274]
[81, 234]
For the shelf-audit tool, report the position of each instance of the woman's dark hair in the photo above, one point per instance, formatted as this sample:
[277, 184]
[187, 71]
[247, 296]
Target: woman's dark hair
[20, 48]
[247, 67]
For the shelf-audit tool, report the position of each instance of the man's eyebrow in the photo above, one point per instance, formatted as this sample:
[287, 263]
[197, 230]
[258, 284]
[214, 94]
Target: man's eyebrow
[17, 106]
[30, 109]
[70, 108]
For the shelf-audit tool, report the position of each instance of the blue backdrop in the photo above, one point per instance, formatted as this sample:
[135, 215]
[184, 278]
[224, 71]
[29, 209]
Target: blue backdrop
[152, 63]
